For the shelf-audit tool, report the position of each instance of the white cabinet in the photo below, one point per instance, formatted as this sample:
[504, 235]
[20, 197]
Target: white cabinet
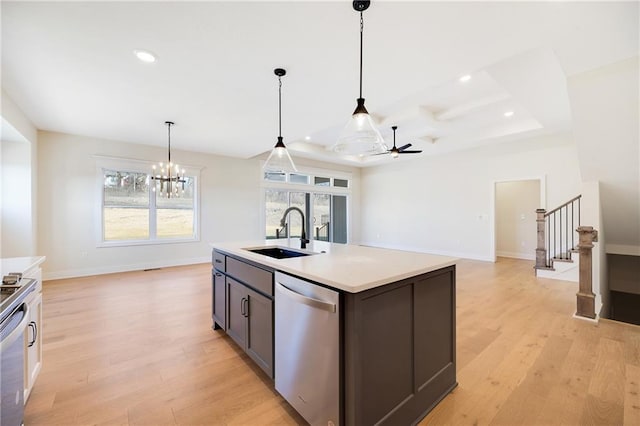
[33, 333]
[33, 344]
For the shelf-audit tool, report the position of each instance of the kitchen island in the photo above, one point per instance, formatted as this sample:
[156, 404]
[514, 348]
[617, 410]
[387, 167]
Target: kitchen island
[396, 328]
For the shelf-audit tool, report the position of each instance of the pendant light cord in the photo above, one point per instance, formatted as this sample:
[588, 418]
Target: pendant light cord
[361, 31]
[279, 106]
[169, 137]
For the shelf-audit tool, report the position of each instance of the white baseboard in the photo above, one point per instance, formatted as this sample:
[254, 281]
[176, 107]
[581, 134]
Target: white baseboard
[75, 273]
[523, 256]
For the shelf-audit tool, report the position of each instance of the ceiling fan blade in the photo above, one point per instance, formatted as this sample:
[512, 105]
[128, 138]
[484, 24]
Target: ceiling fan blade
[410, 152]
[403, 147]
[383, 153]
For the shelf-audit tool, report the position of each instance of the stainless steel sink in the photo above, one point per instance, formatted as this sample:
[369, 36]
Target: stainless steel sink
[278, 252]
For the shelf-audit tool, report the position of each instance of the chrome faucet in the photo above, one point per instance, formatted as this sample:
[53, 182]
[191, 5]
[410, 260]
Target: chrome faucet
[303, 236]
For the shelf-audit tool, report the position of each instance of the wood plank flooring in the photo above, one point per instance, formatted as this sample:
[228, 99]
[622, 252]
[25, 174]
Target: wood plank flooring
[137, 349]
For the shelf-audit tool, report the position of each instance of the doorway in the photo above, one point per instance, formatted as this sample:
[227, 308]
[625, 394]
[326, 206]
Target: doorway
[515, 230]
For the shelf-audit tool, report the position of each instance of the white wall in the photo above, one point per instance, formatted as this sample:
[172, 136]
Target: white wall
[18, 176]
[516, 204]
[443, 204]
[230, 203]
[606, 116]
[17, 220]
[230, 206]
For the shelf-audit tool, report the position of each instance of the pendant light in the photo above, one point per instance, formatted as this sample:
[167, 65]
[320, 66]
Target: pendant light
[168, 174]
[279, 160]
[360, 136]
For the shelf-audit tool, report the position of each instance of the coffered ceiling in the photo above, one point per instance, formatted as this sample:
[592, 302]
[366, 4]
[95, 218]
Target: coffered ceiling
[70, 67]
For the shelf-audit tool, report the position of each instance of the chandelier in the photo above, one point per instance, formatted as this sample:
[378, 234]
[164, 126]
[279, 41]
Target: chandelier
[168, 175]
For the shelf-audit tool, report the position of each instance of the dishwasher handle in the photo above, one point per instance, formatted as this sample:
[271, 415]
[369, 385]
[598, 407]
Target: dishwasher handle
[314, 303]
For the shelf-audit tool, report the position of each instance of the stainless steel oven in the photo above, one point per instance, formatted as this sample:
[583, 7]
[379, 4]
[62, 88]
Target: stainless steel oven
[14, 317]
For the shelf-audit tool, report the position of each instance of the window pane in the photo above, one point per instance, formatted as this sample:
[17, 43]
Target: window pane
[341, 183]
[339, 208]
[321, 215]
[322, 181]
[125, 223]
[126, 189]
[174, 215]
[276, 202]
[294, 178]
[294, 220]
[275, 177]
[126, 206]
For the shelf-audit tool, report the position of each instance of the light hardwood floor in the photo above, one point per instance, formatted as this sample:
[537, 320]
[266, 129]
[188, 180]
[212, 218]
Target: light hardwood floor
[137, 348]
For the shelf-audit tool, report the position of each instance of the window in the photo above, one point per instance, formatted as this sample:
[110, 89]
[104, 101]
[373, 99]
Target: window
[136, 210]
[126, 206]
[322, 199]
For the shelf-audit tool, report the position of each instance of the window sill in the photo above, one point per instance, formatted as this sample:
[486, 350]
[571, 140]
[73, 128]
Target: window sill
[128, 243]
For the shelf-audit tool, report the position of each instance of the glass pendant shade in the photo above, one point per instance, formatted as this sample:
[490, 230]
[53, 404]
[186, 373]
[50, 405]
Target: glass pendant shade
[279, 160]
[360, 136]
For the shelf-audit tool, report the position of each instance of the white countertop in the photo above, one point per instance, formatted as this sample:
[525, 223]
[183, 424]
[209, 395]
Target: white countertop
[19, 264]
[345, 267]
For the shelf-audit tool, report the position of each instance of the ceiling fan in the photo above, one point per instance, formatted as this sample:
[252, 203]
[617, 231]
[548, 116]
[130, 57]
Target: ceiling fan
[402, 150]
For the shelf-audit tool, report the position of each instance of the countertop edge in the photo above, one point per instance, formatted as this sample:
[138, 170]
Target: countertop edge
[20, 264]
[236, 249]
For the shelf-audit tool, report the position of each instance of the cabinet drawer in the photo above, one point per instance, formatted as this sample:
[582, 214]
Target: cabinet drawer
[253, 276]
[219, 261]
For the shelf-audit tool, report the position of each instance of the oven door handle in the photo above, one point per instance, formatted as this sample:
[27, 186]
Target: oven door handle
[13, 335]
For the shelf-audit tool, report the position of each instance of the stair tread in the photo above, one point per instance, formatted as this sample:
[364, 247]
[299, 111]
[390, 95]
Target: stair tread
[561, 259]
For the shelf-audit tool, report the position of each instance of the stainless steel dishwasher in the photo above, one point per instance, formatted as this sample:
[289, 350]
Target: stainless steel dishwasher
[307, 348]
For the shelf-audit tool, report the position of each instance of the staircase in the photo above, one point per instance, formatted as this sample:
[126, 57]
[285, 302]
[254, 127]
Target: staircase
[557, 253]
[560, 238]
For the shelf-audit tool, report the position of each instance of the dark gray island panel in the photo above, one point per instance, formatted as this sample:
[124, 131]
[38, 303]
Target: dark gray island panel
[397, 340]
[399, 349]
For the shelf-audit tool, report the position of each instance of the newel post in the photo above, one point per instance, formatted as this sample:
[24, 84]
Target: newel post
[585, 296]
[541, 251]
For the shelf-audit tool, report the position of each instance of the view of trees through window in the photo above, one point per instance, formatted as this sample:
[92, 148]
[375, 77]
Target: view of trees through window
[132, 211]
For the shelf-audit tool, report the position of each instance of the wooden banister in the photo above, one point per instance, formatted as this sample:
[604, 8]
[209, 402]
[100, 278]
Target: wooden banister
[585, 297]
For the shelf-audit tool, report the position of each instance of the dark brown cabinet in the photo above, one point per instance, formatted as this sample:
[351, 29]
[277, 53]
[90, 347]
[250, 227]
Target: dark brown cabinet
[219, 301]
[242, 305]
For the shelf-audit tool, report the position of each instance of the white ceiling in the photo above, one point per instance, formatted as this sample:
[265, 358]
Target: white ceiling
[70, 68]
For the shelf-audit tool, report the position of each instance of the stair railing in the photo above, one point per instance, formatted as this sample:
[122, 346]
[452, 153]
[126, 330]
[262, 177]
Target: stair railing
[319, 230]
[557, 237]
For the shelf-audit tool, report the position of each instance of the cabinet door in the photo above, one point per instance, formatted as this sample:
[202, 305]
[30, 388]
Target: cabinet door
[33, 361]
[260, 330]
[219, 301]
[236, 308]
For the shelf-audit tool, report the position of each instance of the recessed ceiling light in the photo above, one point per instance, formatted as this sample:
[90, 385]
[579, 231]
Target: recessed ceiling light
[144, 55]
[508, 114]
[307, 138]
[465, 78]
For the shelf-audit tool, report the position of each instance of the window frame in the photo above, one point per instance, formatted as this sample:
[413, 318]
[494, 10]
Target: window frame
[141, 166]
